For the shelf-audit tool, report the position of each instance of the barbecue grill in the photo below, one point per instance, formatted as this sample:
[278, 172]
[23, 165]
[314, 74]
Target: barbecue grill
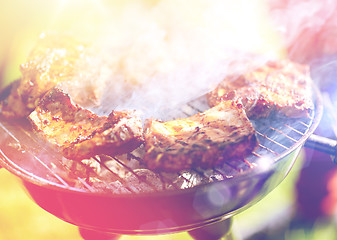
[110, 196]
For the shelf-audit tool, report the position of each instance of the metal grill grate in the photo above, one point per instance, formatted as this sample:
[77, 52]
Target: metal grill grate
[28, 156]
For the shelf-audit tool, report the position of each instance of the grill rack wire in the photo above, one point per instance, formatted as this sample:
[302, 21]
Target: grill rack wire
[39, 162]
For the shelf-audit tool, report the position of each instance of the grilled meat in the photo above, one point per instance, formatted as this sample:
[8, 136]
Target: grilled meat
[203, 140]
[81, 134]
[50, 62]
[281, 86]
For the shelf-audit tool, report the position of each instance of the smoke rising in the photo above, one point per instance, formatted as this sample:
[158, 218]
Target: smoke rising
[156, 57]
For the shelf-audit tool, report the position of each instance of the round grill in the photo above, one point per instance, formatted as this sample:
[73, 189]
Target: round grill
[28, 155]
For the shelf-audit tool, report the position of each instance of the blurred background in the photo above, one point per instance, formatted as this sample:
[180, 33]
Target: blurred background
[302, 207]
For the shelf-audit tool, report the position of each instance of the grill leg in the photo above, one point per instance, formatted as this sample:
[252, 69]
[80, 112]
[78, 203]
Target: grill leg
[87, 234]
[214, 231]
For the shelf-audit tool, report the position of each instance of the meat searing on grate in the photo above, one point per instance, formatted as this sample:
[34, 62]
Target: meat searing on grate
[280, 86]
[52, 61]
[203, 140]
[81, 134]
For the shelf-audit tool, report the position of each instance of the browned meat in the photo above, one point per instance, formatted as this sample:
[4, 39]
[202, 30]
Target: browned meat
[281, 86]
[51, 61]
[203, 140]
[81, 134]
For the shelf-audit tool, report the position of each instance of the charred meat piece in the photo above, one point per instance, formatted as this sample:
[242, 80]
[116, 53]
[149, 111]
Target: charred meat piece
[81, 134]
[50, 62]
[281, 86]
[203, 140]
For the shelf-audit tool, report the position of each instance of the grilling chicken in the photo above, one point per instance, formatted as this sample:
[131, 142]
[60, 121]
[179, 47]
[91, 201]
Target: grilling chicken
[281, 86]
[81, 134]
[203, 140]
[52, 61]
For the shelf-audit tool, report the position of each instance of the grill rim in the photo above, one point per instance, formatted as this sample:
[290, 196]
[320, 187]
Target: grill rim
[25, 175]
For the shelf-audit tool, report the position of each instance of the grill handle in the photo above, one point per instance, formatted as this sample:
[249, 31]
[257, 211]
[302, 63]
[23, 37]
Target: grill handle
[323, 144]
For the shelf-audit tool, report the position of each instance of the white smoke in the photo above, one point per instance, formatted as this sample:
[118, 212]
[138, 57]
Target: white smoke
[156, 57]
